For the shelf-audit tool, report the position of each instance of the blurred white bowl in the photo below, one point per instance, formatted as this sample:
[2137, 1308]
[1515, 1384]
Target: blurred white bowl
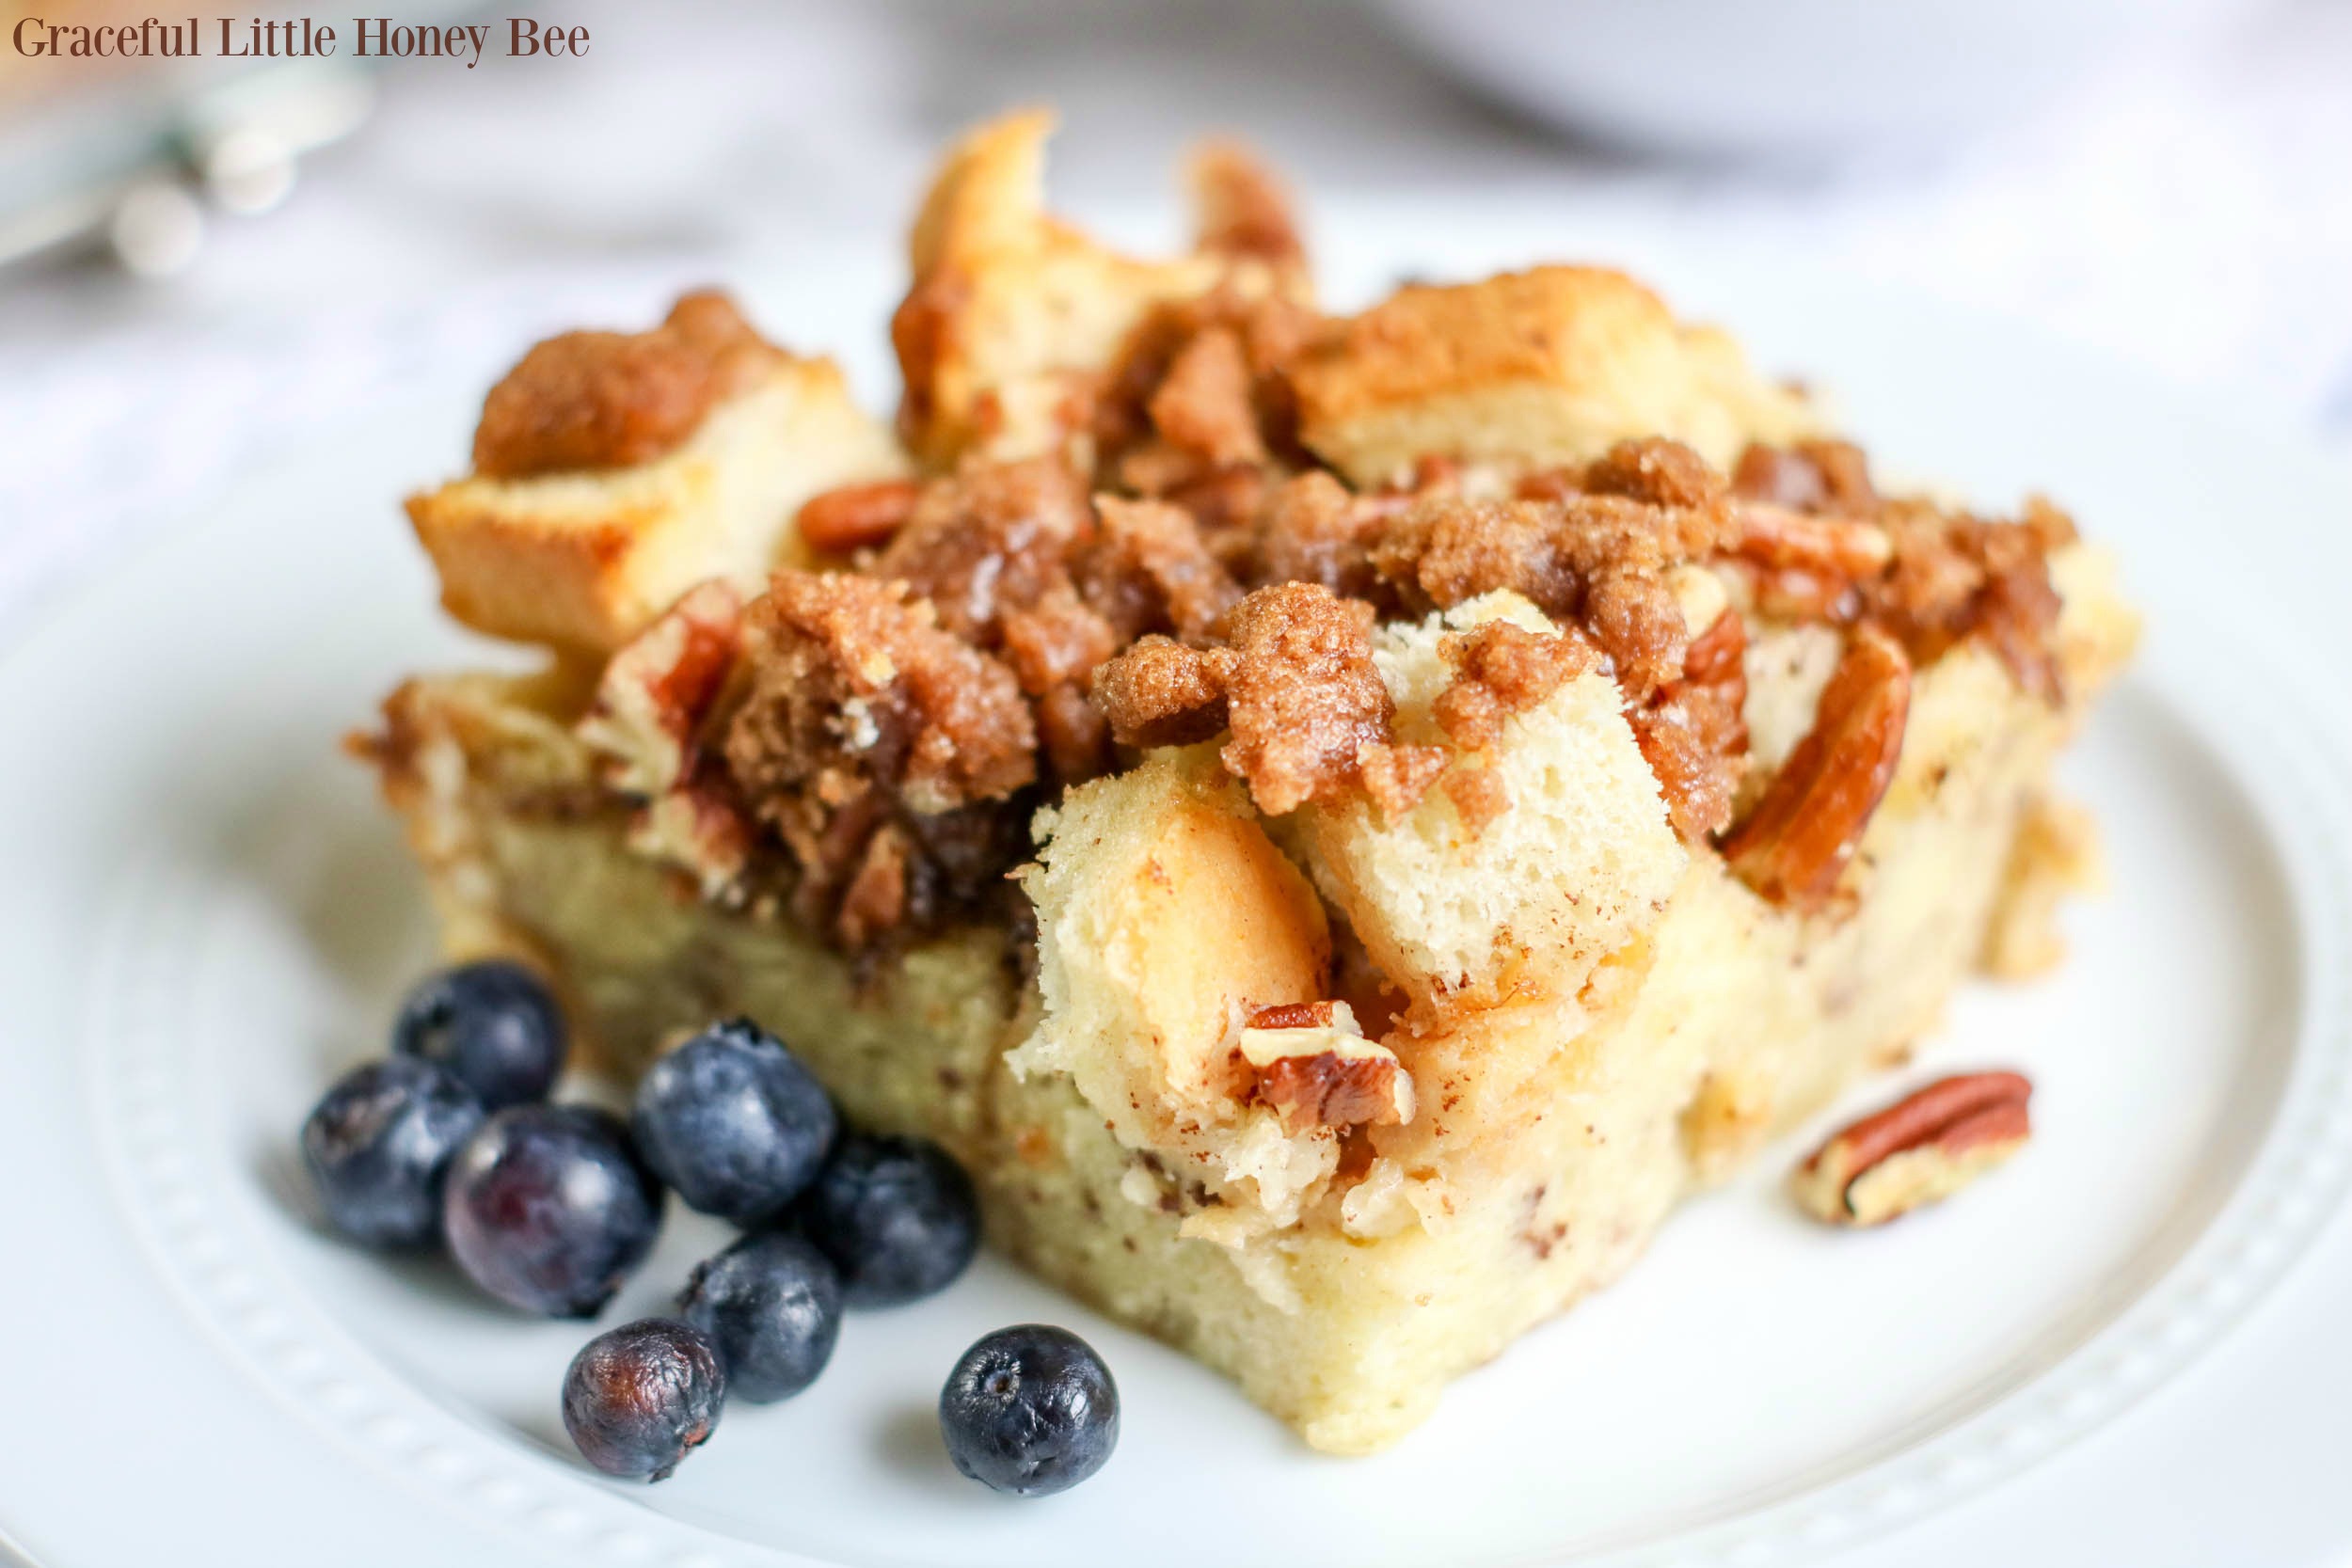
[1787, 78]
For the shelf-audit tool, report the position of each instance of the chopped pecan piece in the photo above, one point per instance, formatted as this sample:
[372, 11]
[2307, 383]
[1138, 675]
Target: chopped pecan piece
[1955, 575]
[696, 826]
[1314, 1069]
[655, 693]
[1812, 476]
[1296, 1015]
[1917, 1151]
[857, 516]
[1845, 474]
[1797, 841]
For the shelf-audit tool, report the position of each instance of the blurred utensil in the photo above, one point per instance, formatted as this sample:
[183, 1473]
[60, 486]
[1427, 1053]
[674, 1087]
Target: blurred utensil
[135, 173]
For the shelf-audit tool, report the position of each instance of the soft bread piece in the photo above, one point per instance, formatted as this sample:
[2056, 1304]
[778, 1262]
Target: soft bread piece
[1579, 864]
[584, 559]
[1010, 303]
[1165, 916]
[1530, 369]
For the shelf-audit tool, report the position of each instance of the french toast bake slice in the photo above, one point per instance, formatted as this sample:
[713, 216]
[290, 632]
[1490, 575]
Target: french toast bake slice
[1338, 824]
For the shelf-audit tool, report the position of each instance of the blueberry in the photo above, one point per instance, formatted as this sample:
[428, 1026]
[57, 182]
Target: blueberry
[896, 1216]
[773, 1306]
[1029, 1410]
[549, 1209]
[640, 1397]
[493, 1023]
[733, 1122]
[380, 1146]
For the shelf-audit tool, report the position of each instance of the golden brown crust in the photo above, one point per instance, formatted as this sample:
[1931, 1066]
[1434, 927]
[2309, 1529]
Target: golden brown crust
[1012, 313]
[1530, 368]
[584, 561]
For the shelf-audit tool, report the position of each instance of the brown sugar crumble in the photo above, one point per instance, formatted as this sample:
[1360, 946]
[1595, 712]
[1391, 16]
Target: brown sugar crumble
[1034, 628]
[606, 400]
[1500, 669]
[874, 745]
[1695, 734]
[1183, 569]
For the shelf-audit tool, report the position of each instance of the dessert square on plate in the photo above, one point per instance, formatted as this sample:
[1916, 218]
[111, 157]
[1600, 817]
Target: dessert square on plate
[1339, 822]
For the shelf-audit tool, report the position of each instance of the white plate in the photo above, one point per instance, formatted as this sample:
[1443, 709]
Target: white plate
[205, 915]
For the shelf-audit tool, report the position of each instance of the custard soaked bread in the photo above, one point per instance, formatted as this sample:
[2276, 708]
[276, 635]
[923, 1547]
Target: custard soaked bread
[1339, 822]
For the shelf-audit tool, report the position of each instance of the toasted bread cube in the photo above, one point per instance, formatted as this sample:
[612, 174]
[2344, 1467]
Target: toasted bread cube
[1530, 369]
[1579, 862]
[1012, 309]
[585, 559]
[1165, 917]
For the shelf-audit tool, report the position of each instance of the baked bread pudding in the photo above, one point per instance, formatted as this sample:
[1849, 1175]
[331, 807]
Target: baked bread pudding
[1339, 821]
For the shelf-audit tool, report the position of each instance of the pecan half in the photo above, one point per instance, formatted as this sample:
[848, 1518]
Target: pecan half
[1798, 839]
[1917, 1151]
[1783, 538]
[856, 517]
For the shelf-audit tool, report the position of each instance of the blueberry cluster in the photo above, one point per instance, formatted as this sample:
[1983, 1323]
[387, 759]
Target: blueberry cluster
[450, 1141]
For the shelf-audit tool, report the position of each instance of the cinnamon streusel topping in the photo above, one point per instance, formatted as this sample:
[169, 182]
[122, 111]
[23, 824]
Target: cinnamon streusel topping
[608, 400]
